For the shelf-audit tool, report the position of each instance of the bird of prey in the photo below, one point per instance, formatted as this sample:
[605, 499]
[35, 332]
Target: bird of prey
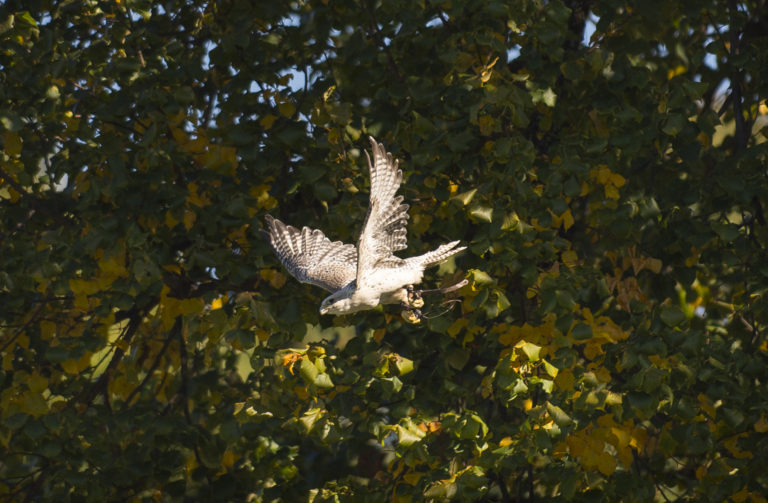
[368, 275]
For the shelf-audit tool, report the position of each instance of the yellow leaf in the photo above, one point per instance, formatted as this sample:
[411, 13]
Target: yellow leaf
[603, 375]
[617, 180]
[761, 425]
[219, 156]
[196, 199]
[623, 437]
[286, 109]
[121, 387]
[732, 444]
[488, 71]
[170, 222]
[611, 192]
[12, 143]
[267, 121]
[290, 359]
[564, 380]
[740, 496]
[37, 383]
[275, 279]
[487, 124]
[569, 258]
[113, 266]
[179, 135]
[172, 268]
[576, 444]
[47, 330]
[218, 303]
[34, 404]
[606, 464]
[653, 265]
[639, 438]
[262, 334]
[457, 326]
[378, 335]
[228, 459]
[189, 218]
[198, 145]
[706, 405]
[567, 219]
[328, 94]
[593, 349]
[302, 393]
[412, 478]
[602, 173]
[79, 286]
[674, 72]
[263, 199]
[76, 366]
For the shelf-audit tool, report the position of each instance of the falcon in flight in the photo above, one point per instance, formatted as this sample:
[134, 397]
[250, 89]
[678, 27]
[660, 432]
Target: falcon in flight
[364, 276]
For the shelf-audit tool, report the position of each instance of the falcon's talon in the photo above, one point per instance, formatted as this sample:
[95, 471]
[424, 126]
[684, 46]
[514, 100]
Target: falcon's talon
[412, 316]
[415, 299]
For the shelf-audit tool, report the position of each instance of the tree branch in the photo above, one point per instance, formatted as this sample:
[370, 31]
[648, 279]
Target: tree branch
[173, 333]
[100, 386]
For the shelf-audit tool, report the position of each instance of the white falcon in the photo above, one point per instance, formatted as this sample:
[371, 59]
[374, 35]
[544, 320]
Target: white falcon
[368, 275]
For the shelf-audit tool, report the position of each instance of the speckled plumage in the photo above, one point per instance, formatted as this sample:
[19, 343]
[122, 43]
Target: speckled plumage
[368, 275]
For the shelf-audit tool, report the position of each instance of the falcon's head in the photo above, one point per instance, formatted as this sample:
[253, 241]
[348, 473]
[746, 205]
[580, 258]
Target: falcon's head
[336, 303]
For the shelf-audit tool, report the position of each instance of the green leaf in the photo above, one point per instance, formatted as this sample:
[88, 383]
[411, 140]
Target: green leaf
[11, 121]
[323, 381]
[466, 197]
[480, 277]
[672, 316]
[674, 124]
[482, 213]
[457, 358]
[310, 418]
[581, 331]
[531, 351]
[727, 232]
[550, 369]
[403, 365]
[558, 415]
[308, 370]
[409, 435]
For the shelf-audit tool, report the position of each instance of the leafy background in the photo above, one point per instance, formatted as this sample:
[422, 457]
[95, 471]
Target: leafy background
[604, 160]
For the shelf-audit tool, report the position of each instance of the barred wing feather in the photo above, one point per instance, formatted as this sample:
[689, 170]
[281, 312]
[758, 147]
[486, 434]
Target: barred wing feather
[310, 257]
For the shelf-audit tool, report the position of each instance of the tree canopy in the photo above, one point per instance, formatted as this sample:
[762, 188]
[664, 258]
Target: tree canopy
[604, 161]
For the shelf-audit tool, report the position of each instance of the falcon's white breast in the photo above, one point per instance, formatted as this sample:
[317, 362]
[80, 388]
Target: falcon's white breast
[368, 275]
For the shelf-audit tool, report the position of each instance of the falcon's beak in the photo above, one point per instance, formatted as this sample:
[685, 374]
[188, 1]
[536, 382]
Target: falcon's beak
[323, 310]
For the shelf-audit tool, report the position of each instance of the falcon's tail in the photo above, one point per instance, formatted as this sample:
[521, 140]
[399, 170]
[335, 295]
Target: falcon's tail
[437, 257]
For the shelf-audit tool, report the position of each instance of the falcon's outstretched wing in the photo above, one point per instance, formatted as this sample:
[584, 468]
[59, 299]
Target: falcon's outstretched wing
[384, 228]
[311, 257]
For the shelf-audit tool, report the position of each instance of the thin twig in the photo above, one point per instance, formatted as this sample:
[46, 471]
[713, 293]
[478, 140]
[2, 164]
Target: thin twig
[176, 327]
